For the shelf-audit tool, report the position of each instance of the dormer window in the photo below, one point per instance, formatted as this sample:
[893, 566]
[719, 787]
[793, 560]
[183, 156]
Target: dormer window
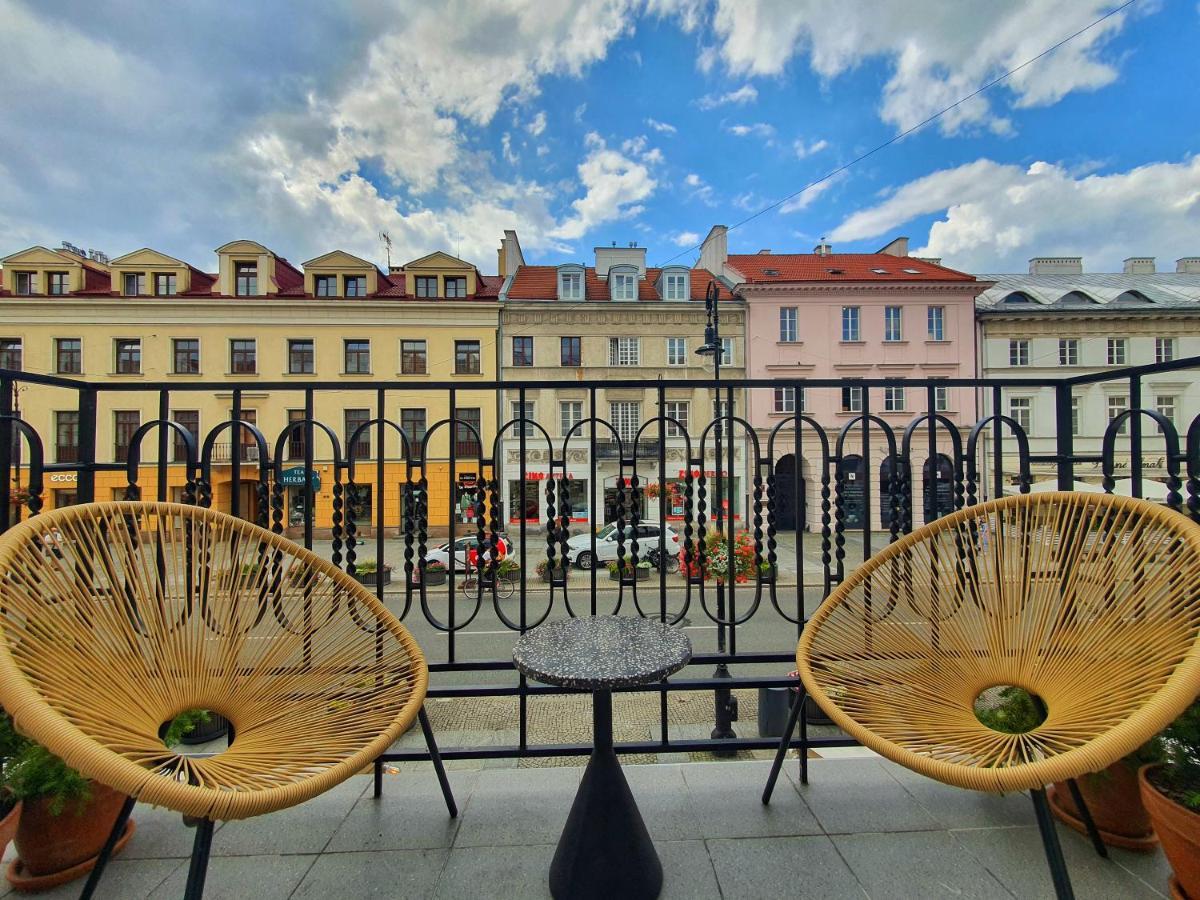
[246, 279]
[57, 283]
[356, 285]
[427, 286]
[675, 286]
[456, 287]
[325, 285]
[570, 285]
[164, 284]
[623, 285]
[133, 284]
[26, 283]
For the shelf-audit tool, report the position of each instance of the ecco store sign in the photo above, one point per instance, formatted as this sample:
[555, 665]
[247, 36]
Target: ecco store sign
[58, 477]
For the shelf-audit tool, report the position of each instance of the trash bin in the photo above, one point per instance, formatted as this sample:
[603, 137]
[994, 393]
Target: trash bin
[774, 704]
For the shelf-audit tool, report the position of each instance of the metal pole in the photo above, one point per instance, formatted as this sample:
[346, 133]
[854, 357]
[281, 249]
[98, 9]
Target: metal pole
[722, 707]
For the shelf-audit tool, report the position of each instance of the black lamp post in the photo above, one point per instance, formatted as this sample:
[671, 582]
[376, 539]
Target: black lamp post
[725, 711]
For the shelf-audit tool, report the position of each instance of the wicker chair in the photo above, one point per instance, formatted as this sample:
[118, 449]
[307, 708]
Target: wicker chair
[119, 616]
[1089, 602]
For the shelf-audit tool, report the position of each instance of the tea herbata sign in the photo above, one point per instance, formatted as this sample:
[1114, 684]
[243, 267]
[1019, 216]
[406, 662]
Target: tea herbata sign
[295, 477]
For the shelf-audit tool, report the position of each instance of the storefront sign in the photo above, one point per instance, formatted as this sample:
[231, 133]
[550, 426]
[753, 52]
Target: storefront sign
[467, 479]
[295, 477]
[708, 473]
[56, 477]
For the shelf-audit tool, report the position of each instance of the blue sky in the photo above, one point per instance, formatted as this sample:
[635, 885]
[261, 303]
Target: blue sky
[579, 124]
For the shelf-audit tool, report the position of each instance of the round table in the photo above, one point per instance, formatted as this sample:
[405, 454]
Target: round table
[605, 849]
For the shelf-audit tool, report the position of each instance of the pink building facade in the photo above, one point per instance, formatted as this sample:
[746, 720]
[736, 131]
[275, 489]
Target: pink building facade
[848, 317]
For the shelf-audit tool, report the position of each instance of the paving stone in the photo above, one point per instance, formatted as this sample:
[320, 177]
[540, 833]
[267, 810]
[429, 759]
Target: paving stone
[304, 828]
[411, 815]
[378, 873]
[161, 834]
[857, 795]
[687, 871]
[502, 873]
[727, 799]
[957, 808]
[123, 879]
[783, 867]
[239, 877]
[665, 802]
[517, 806]
[917, 865]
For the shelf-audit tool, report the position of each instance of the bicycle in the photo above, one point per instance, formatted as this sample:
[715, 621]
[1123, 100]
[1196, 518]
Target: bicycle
[506, 582]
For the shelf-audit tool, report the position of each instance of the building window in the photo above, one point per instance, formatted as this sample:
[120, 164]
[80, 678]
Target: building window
[10, 353]
[676, 351]
[941, 398]
[296, 436]
[66, 436]
[26, 283]
[522, 352]
[413, 358]
[850, 317]
[625, 416]
[185, 354]
[787, 324]
[456, 287]
[190, 420]
[301, 357]
[1164, 350]
[570, 351]
[893, 399]
[624, 351]
[675, 286]
[249, 446]
[466, 358]
[125, 423]
[623, 285]
[243, 356]
[852, 399]
[1018, 352]
[936, 323]
[727, 351]
[1118, 351]
[357, 354]
[570, 286]
[58, 282]
[1116, 406]
[129, 356]
[570, 414]
[466, 441]
[677, 410]
[164, 284]
[1165, 404]
[1074, 415]
[520, 412]
[68, 356]
[785, 400]
[427, 286]
[358, 498]
[1020, 410]
[412, 423]
[355, 419]
[246, 279]
[133, 284]
[355, 285]
[1068, 351]
[325, 285]
[892, 316]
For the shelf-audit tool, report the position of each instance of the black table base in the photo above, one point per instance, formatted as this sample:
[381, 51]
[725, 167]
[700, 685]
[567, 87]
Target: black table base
[605, 850]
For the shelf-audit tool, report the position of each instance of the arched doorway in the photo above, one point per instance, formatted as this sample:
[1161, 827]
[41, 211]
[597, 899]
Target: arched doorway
[787, 512]
[853, 477]
[939, 499]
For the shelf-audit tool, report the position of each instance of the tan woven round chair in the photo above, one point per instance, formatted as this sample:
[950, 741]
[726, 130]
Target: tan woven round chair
[117, 617]
[1089, 602]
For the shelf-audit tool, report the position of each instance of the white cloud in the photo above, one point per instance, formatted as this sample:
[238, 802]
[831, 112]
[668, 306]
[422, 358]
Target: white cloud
[804, 150]
[756, 129]
[747, 93]
[506, 149]
[993, 217]
[537, 125]
[661, 127]
[934, 59]
[806, 197]
[699, 189]
[685, 239]
[614, 186]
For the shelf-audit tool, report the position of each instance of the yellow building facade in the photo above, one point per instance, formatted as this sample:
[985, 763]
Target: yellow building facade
[146, 323]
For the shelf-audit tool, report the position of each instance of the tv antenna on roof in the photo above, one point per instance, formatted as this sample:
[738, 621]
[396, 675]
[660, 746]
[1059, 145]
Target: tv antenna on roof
[387, 243]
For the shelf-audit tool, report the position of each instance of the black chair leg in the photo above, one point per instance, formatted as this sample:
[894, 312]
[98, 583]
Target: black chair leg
[378, 778]
[1058, 866]
[1086, 815]
[436, 757]
[118, 829]
[781, 753]
[199, 865]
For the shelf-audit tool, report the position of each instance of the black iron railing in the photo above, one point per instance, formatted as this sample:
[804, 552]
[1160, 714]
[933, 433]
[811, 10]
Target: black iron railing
[809, 499]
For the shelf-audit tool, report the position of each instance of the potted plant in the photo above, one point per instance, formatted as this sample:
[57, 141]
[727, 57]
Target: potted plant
[716, 558]
[435, 573]
[544, 571]
[196, 726]
[364, 572]
[628, 570]
[1114, 800]
[11, 746]
[1171, 792]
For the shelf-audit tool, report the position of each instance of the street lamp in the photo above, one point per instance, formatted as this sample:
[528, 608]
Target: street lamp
[724, 707]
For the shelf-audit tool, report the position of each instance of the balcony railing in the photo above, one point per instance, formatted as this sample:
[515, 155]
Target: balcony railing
[813, 497]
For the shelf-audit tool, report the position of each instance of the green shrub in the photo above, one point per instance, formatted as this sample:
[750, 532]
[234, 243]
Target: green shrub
[37, 772]
[1013, 711]
[1180, 773]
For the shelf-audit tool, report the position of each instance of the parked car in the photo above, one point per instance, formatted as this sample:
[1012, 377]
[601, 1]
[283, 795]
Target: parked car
[579, 548]
[462, 547]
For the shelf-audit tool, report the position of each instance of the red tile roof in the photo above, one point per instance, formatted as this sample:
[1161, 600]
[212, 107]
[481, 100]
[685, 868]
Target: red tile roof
[541, 283]
[768, 268]
[287, 276]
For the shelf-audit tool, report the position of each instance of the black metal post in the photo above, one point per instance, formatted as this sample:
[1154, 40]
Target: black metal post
[436, 758]
[1085, 814]
[1058, 866]
[198, 868]
[106, 851]
[784, 741]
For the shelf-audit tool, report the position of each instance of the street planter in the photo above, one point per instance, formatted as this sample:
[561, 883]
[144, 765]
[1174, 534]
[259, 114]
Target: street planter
[433, 576]
[364, 574]
[639, 574]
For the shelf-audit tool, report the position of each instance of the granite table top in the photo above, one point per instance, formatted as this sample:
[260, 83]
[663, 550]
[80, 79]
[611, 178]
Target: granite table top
[599, 652]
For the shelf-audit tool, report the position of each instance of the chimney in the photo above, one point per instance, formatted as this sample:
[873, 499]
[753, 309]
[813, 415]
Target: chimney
[1056, 265]
[509, 257]
[633, 255]
[823, 248]
[714, 252]
[898, 247]
[1139, 265]
[1188, 265]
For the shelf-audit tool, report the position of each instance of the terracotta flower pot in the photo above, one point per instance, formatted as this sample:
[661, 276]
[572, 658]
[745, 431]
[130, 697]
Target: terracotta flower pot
[8, 827]
[1115, 802]
[1179, 830]
[47, 843]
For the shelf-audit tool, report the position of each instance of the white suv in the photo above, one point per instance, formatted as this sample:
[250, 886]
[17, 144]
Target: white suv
[579, 548]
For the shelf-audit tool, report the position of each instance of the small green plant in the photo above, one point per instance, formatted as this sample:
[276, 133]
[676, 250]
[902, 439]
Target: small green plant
[366, 567]
[184, 724]
[434, 565]
[543, 568]
[1011, 710]
[36, 772]
[1179, 776]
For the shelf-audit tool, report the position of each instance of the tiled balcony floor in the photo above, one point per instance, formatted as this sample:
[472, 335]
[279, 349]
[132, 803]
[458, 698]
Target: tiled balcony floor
[860, 828]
